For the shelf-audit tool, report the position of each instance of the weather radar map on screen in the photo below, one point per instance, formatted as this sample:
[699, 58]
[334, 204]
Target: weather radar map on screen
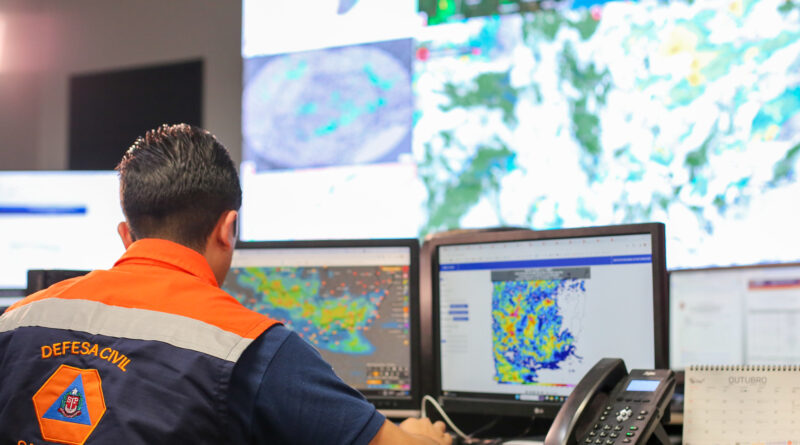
[442, 11]
[356, 315]
[543, 115]
[330, 307]
[529, 317]
[527, 326]
[346, 105]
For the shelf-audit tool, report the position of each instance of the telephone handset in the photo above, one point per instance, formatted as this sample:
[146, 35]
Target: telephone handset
[610, 407]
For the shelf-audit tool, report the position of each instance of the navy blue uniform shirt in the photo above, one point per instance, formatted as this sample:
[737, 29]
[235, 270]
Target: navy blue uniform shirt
[283, 391]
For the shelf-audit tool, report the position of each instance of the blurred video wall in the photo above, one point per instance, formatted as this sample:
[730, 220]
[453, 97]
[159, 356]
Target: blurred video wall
[390, 118]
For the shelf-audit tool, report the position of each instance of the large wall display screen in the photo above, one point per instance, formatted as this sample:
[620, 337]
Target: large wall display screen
[418, 118]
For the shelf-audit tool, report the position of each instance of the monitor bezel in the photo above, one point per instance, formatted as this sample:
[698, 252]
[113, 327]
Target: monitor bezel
[732, 267]
[491, 406]
[9, 297]
[391, 406]
[713, 269]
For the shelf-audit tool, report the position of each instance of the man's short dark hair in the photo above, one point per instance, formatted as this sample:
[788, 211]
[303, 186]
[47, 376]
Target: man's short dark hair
[175, 183]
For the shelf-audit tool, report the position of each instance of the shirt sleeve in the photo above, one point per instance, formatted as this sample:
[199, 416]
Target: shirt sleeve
[283, 391]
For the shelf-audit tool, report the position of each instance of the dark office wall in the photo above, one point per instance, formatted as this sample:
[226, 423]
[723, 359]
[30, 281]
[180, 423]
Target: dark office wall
[108, 110]
[55, 40]
[19, 120]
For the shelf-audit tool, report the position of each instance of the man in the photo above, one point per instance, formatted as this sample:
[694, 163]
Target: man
[153, 351]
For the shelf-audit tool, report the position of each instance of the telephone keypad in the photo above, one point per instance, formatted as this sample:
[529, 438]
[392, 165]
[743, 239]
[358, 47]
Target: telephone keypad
[627, 416]
[624, 420]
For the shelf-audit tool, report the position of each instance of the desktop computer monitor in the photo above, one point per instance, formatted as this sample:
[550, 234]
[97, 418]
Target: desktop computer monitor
[57, 220]
[355, 300]
[735, 316]
[10, 296]
[519, 317]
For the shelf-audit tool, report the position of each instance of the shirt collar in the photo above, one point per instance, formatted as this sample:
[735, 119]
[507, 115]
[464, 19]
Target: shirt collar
[153, 251]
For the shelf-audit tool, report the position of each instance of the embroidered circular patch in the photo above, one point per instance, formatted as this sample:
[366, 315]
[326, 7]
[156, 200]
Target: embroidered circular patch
[69, 405]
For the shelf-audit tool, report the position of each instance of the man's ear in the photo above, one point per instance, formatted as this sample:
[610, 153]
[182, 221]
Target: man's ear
[125, 234]
[227, 227]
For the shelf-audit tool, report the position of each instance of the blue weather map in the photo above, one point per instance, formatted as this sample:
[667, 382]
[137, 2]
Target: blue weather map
[335, 106]
[528, 332]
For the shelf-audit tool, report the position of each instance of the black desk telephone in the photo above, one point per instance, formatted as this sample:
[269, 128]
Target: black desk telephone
[610, 406]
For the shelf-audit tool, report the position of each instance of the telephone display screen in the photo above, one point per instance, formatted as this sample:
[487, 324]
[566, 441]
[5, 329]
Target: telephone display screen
[529, 318]
[643, 385]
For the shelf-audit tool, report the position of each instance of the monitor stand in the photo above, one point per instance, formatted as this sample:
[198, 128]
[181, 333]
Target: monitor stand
[399, 413]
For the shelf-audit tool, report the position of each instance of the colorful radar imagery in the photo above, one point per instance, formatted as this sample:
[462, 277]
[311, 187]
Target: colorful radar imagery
[527, 329]
[334, 106]
[623, 112]
[447, 11]
[330, 307]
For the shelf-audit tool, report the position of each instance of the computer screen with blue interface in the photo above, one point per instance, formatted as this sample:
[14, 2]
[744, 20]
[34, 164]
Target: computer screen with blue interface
[522, 321]
[735, 316]
[57, 220]
[352, 300]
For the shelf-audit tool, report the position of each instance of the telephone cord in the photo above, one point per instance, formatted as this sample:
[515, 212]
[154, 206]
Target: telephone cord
[444, 415]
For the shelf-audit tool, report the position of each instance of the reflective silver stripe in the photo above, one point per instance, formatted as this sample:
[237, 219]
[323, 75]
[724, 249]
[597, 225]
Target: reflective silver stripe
[137, 324]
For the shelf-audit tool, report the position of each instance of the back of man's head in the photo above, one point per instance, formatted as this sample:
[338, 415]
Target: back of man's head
[175, 183]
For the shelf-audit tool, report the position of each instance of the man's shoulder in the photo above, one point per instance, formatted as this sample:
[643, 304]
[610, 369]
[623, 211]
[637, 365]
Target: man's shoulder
[265, 346]
[277, 343]
[162, 290]
[53, 291]
[282, 384]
